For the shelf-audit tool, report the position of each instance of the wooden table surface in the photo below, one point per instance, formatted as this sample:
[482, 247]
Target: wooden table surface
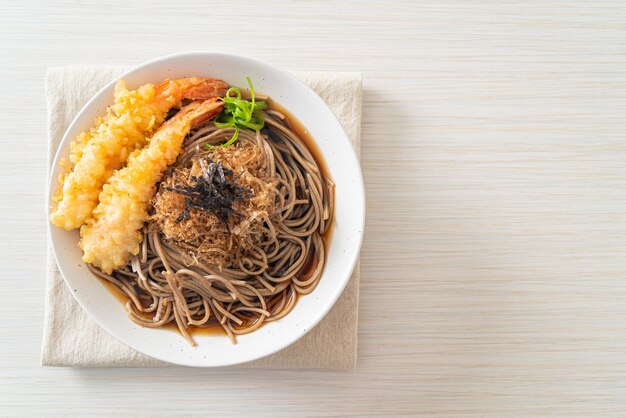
[494, 153]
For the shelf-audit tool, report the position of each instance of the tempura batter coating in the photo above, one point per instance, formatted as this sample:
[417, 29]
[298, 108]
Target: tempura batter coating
[105, 148]
[114, 233]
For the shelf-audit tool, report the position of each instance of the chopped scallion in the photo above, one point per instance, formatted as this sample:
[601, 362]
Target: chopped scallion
[239, 113]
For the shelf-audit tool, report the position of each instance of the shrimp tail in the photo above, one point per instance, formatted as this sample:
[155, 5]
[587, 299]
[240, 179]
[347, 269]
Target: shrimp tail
[192, 88]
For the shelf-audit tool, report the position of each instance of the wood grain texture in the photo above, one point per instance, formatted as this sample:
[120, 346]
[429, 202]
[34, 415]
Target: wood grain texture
[494, 153]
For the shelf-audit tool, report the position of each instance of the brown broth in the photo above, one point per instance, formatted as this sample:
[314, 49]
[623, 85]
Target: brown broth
[304, 135]
[115, 291]
[315, 151]
[213, 327]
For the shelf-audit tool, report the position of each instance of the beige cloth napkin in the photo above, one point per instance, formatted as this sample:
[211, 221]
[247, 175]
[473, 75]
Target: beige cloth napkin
[73, 339]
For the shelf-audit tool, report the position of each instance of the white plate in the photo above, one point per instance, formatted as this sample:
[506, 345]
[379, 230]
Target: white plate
[216, 350]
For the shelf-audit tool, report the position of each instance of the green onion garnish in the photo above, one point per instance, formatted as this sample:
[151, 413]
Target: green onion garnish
[239, 113]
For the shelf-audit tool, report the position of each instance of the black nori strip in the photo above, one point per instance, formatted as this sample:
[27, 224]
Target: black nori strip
[215, 191]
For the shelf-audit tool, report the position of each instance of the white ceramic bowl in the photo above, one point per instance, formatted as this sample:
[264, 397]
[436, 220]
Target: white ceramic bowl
[216, 350]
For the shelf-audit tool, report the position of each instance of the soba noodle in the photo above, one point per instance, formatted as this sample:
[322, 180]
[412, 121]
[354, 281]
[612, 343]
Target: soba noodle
[167, 283]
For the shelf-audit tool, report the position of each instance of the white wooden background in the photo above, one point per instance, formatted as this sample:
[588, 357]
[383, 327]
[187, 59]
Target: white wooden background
[494, 152]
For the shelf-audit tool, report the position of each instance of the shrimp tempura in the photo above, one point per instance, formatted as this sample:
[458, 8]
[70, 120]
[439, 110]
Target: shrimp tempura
[114, 233]
[105, 148]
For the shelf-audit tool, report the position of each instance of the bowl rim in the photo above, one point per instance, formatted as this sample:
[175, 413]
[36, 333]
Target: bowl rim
[352, 155]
